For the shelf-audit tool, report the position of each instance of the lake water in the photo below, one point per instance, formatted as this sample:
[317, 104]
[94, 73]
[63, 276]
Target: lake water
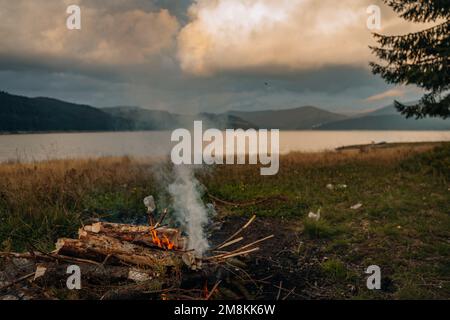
[35, 147]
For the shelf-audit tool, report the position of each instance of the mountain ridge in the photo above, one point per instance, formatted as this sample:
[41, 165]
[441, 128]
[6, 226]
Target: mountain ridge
[300, 118]
[42, 114]
[387, 118]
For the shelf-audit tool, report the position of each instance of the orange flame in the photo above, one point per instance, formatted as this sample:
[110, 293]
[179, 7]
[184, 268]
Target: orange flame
[163, 243]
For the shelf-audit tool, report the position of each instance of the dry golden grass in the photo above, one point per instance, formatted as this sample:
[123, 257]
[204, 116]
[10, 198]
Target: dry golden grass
[388, 155]
[62, 182]
[47, 199]
[27, 187]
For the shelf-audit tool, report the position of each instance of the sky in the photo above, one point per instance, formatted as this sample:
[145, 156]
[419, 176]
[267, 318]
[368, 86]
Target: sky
[190, 56]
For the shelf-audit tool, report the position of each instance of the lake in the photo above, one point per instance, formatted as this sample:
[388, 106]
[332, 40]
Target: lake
[36, 147]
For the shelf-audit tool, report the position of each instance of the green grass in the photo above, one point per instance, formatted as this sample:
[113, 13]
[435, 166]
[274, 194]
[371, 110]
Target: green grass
[335, 270]
[403, 226]
[320, 229]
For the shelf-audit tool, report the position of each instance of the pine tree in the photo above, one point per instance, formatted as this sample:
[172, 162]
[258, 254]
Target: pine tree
[421, 58]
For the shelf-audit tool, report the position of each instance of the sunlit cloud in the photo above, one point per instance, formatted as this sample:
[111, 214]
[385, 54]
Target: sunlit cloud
[392, 93]
[279, 36]
[228, 35]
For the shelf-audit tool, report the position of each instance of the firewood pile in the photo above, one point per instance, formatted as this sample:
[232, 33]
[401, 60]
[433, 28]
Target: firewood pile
[119, 261]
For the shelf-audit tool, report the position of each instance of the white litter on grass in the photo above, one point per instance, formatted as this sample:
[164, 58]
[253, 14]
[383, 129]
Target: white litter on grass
[149, 202]
[337, 187]
[314, 216]
[356, 206]
[40, 272]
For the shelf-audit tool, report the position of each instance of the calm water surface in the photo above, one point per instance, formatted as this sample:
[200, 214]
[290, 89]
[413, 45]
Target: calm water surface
[35, 147]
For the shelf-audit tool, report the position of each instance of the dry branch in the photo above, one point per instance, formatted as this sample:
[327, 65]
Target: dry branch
[237, 232]
[230, 243]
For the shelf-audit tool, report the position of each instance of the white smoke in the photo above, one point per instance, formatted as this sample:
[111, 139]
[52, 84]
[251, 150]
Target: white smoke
[189, 208]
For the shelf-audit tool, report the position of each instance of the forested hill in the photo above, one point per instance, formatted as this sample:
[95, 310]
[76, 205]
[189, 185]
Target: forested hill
[22, 114]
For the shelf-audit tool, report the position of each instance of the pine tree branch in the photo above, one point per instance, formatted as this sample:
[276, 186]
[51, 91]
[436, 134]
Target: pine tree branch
[440, 28]
[420, 10]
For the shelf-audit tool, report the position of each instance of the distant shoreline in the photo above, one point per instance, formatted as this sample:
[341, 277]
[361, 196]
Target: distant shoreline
[387, 145]
[12, 133]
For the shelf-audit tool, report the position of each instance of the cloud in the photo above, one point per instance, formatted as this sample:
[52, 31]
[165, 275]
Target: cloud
[131, 36]
[392, 93]
[278, 36]
[272, 34]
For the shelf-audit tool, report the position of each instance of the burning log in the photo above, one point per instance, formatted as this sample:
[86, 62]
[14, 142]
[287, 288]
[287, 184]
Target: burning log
[100, 248]
[162, 237]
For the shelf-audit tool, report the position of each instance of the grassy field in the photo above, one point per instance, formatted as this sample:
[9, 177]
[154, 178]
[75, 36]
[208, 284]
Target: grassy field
[403, 224]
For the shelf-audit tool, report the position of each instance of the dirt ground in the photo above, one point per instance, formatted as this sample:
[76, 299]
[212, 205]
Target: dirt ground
[276, 271]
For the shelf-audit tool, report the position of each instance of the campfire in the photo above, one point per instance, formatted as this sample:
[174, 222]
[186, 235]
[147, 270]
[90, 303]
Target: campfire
[163, 243]
[141, 256]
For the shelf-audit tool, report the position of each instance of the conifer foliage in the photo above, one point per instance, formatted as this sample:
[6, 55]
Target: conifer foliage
[421, 58]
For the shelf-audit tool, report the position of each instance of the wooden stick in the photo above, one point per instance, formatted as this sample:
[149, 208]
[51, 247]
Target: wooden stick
[162, 218]
[231, 243]
[249, 222]
[150, 218]
[63, 258]
[237, 232]
[238, 254]
[256, 242]
[279, 290]
[73, 259]
[289, 293]
[17, 281]
[46, 256]
[213, 289]
[240, 249]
